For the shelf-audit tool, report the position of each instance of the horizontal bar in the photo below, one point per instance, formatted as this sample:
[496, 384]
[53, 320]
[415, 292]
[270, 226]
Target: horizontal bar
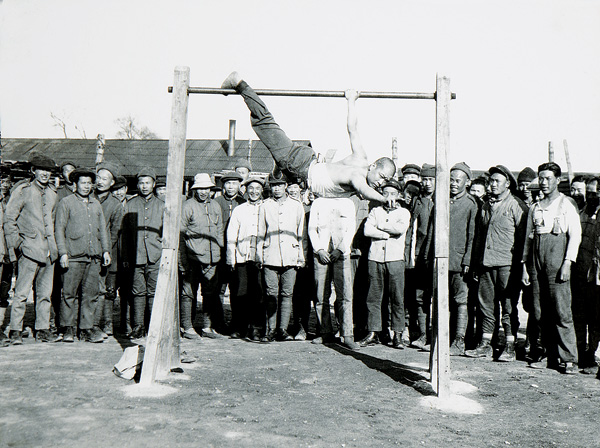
[316, 93]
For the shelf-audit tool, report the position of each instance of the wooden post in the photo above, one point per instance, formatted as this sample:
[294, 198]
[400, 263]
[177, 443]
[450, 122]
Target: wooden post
[441, 238]
[550, 152]
[100, 143]
[162, 343]
[568, 158]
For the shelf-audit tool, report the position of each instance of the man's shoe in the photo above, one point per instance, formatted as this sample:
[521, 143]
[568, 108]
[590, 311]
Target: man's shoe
[301, 335]
[508, 355]
[69, 335]
[210, 333]
[108, 329]
[190, 333]
[457, 348]
[405, 337]
[100, 332]
[398, 341]
[483, 350]
[370, 339]
[236, 335]
[16, 337]
[137, 332]
[568, 368]
[44, 336]
[325, 338]
[255, 334]
[269, 336]
[283, 336]
[91, 335]
[420, 342]
[349, 343]
[232, 81]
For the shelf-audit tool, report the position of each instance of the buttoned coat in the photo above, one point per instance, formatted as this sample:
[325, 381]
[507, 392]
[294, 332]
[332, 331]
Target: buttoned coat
[141, 233]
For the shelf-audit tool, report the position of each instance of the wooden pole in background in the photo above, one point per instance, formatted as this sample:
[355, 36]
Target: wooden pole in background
[550, 152]
[568, 158]
[162, 343]
[441, 371]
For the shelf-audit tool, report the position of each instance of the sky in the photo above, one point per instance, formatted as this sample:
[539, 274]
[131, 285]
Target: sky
[525, 72]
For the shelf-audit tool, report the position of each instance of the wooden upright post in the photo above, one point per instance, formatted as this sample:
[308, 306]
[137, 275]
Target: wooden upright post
[550, 152]
[440, 372]
[162, 344]
[568, 158]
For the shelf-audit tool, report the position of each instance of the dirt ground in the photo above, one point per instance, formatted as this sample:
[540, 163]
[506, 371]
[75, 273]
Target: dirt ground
[288, 394]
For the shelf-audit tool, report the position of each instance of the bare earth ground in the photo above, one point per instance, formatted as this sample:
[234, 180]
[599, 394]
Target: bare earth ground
[290, 394]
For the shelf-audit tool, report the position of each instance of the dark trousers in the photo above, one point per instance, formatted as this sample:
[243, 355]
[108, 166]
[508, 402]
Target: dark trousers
[249, 309]
[459, 293]
[84, 275]
[143, 289]
[558, 332]
[380, 274]
[304, 293]
[6, 273]
[423, 277]
[289, 156]
[496, 289]
[586, 314]
[106, 297]
[360, 290]
[279, 284]
[205, 275]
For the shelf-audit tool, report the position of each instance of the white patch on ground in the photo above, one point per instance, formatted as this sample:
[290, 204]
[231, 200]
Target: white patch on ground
[417, 365]
[152, 391]
[455, 402]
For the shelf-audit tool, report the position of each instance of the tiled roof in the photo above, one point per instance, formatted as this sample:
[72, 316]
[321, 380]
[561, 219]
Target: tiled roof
[201, 155]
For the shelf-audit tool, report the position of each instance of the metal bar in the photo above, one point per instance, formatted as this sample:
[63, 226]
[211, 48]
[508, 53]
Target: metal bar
[315, 93]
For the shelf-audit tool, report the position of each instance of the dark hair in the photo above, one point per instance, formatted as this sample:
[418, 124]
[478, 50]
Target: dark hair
[385, 163]
[480, 181]
[550, 166]
[580, 178]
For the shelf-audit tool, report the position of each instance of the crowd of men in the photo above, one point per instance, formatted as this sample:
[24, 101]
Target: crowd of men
[282, 252]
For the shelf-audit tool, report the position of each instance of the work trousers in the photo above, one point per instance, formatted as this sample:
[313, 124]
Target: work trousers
[249, 309]
[496, 289]
[143, 288]
[423, 278]
[279, 285]
[586, 313]
[6, 273]
[558, 332]
[84, 275]
[390, 273]
[459, 297]
[290, 157]
[205, 275]
[341, 273]
[39, 276]
[106, 297]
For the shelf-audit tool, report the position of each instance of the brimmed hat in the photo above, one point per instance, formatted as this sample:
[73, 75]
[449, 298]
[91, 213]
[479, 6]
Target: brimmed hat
[277, 180]
[527, 175]
[202, 180]
[501, 169]
[161, 181]
[295, 180]
[42, 162]
[80, 172]
[111, 167]
[411, 168]
[231, 175]
[462, 166]
[392, 183]
[251, 179]
[427, 170]
[120, 182]
[243, 164]
[67, 162]
[146, 172]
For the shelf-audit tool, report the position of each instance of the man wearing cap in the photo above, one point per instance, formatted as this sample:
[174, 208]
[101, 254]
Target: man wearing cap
[553, 236]
[199, 255]
[119, 190]
[386, 226]
[418, 256]
[83, 246]
[279, 251]
[524, 179]
[229, 199]
[247, 307]
[141, 247]
[410, 171]
[106, 173]
[498, 252]
[463, 211]
[29, 231]
[160, 187]
[243, 168]
[67, 188]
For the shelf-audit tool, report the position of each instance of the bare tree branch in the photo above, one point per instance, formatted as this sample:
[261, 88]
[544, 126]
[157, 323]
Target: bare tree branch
[129, 130]
[59, 123]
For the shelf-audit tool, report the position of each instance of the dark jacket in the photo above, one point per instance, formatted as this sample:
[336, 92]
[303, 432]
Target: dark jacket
[112, 209]
[141, 233]
[201, 232]
[80, 228]
[463, 213]
[29, 221]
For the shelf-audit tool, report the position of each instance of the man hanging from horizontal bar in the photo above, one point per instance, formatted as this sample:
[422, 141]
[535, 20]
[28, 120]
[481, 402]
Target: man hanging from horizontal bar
[344, 178]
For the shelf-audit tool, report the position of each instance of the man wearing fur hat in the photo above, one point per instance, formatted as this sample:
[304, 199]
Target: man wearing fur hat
[29, 231]
[83, 246]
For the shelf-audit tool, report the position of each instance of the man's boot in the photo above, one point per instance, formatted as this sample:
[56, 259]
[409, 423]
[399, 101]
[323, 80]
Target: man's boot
[483, 350]
[16, 337]
[508, 355]
[458, 347]
[108, 317]
[370, 339]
